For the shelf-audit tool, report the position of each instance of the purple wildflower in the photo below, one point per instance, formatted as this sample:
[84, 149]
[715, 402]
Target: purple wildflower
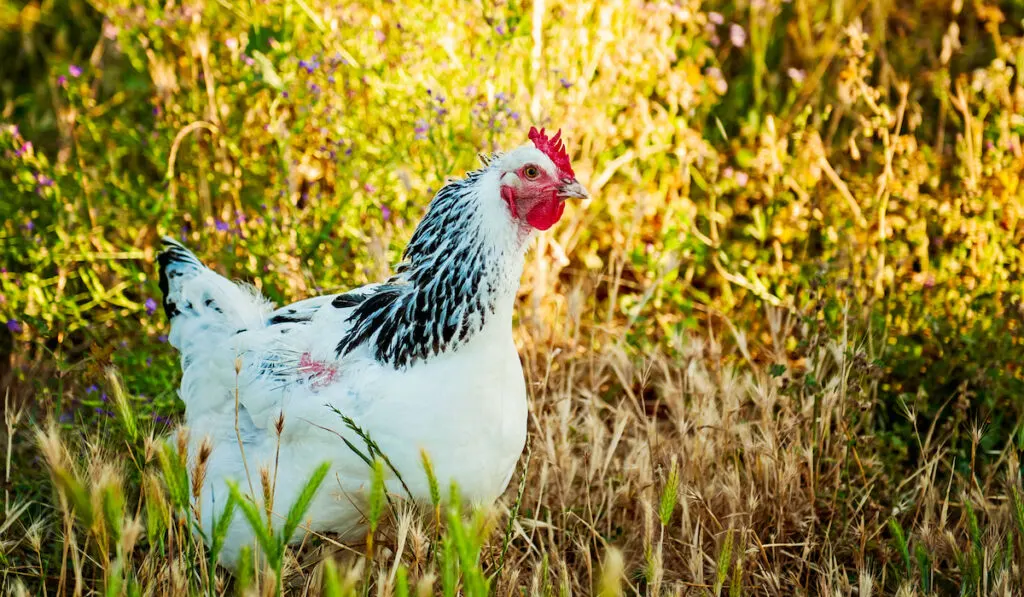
[369, 188]
[30, 225]
[500, 28]
[26, 147]
[44, 180]
[92, 389]
[421, 129]
[65, 418]
[162, 337]
[566, 83]
[385, 212]
[62, 81]
[75, 70]
[221, 226]
[105, 412]
[14, 326]
[150, 306]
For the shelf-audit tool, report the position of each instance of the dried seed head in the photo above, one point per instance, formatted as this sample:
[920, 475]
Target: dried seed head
[279, 423]
[205, 449]
[199, 471]
[182, 441]
[238, 365]
[268, 494]
[130, 535]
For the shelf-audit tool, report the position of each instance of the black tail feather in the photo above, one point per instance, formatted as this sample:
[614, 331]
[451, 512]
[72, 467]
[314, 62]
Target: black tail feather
[173, 253]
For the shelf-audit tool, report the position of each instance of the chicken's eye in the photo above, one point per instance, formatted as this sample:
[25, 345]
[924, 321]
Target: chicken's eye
[531, 172]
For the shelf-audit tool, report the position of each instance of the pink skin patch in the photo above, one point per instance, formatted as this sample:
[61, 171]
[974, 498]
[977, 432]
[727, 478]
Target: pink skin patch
[321, 373]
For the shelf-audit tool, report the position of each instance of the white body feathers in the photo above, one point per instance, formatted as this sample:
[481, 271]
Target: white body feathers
[423, 361]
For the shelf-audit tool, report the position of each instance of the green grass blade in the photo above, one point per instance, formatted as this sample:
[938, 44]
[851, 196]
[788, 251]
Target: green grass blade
[301, 505]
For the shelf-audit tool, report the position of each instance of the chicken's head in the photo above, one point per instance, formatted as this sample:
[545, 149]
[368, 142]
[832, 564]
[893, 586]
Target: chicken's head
[536, 179]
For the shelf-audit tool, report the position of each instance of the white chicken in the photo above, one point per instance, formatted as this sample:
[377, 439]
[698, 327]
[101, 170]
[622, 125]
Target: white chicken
[422, 361]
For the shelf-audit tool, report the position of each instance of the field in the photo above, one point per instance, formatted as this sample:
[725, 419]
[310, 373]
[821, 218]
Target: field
[779, 352]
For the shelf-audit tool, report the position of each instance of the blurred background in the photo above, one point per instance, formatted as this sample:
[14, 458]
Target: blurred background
[769, 172]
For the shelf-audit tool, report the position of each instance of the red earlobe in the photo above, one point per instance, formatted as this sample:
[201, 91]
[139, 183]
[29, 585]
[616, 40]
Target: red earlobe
[509, 195]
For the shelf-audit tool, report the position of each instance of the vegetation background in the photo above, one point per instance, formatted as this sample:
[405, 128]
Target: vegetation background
[779, 352]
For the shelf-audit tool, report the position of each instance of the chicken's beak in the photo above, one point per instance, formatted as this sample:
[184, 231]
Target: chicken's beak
[571, 189]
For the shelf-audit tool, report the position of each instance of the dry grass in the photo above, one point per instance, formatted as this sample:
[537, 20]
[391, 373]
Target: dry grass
[779, 353]
[694, 472]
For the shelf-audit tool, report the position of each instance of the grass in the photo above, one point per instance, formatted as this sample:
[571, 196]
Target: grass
[778, 354]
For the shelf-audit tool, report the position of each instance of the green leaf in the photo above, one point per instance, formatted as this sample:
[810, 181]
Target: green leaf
[264, 537]
[301, 505]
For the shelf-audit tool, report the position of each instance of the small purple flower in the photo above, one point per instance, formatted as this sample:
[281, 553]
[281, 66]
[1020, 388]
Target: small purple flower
[221, 226]
[14, 326]
[65, 418]
[103, 397]
[369, 188]
[162, 337]
[104, 412]
[501, 96]
[30, 225]
[92, 389]
[421, 129]
[514, 115]
[150, 306]
[385, 212]
[26, 147]
[75, 70]
[44, 180]
[161, 420]
[62, 81]
[500, 28]
[566, 83]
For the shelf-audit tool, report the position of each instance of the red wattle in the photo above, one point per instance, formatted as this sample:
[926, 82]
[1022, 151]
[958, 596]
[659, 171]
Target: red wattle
[545, 214]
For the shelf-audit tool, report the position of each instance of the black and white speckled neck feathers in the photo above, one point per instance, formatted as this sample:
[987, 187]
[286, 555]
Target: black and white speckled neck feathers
[452, 278]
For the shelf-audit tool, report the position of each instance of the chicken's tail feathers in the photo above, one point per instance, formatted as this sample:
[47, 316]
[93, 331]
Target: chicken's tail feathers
[202, 305]
[175, 261]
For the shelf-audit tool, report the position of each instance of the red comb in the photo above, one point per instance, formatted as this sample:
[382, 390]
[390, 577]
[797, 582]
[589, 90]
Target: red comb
[553, 148]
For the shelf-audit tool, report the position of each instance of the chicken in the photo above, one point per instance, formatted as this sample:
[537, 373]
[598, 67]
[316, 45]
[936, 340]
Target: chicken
[424, 360]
